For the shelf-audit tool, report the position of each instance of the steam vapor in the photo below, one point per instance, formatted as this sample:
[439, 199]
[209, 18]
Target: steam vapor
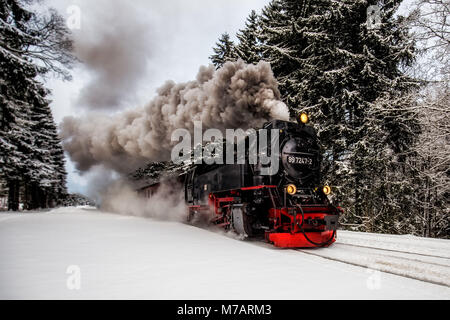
[120, 198]
[104, 49]
[236, 96]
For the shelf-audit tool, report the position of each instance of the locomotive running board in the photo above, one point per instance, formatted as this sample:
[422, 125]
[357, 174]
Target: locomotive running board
[298, 240]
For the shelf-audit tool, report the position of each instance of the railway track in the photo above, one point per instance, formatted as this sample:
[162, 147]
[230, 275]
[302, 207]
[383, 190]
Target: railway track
[394, 250]
[423, 267]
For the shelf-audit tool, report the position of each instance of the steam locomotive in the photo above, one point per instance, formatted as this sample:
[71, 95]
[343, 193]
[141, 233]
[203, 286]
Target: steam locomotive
[288, 207]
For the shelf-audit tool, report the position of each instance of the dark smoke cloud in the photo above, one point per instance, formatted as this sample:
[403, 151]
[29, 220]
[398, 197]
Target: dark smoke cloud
[235, 96]
[114, 45]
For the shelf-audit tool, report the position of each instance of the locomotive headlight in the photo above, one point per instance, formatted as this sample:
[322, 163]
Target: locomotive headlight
[326, 190]
[304, 118]
[291, 189]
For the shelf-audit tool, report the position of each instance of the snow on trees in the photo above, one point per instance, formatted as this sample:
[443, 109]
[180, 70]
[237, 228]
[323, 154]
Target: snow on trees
[31, 157]
[249, 47]
[224, 51]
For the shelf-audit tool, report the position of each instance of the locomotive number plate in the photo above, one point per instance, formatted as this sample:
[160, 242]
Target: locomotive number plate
[300, 160]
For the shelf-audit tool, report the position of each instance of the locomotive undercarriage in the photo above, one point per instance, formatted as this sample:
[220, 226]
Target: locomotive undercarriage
[281, 219]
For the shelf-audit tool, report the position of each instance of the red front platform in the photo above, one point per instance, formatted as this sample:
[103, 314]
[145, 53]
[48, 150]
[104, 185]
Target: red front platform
[298, 240]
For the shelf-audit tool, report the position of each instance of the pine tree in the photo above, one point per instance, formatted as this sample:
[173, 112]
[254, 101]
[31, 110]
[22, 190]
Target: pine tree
[248, 48]
[224, 51]
[49, 183]
[277, 48]
[16, 88]
[31, 157]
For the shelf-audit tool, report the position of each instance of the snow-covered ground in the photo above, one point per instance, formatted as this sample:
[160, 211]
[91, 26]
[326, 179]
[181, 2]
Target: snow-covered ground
[81, 253]
[409, 256]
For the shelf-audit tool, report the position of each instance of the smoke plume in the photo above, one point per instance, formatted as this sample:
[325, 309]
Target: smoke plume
[114, 51]
[236, 96]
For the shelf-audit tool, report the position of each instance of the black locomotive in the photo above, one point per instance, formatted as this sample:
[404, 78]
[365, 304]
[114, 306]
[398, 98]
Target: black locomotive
[288, 205]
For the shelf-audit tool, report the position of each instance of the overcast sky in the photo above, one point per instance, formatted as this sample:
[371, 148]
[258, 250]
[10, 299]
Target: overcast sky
[130, 48]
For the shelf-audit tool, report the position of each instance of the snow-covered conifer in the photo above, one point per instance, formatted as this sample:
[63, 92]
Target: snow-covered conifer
[248, 48]
[31, 156]
[224, 51]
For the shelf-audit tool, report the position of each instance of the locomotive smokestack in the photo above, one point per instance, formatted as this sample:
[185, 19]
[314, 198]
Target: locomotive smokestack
[236, 96]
